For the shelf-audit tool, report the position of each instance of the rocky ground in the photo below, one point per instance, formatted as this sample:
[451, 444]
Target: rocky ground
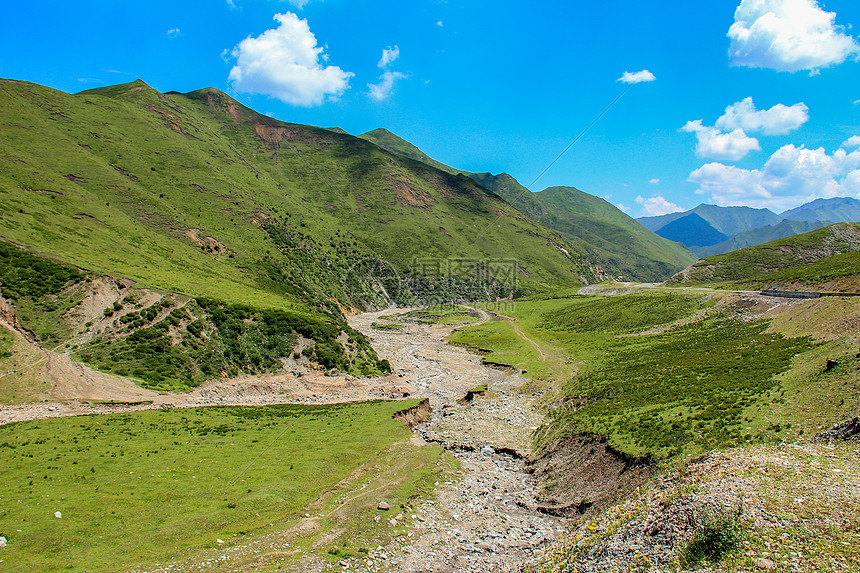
[484, 519]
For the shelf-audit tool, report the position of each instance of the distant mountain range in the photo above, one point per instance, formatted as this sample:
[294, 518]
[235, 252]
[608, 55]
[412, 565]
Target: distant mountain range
[711, 230]
[614, 240]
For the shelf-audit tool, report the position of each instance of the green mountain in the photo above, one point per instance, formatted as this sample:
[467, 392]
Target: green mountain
[196, 194]
[621, 245]
[387, 140]
[744, 239]
[825, 259]
[131, 181]
[611, 238]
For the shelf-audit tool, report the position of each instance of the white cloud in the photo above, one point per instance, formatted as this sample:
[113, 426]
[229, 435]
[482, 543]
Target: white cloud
[300, 4]
[623, 207]
[173, 32]
[232, 5]
[715, 144]
[636, 77]
[790, 177]
[787, 36]
[853, 141]
[285, 63]
[778, 120]
[440, 23]
[388, 56]
[654, 206]
[385, 86]
[654, 181]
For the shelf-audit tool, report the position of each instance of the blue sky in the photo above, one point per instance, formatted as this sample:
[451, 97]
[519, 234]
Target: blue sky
[504, 86]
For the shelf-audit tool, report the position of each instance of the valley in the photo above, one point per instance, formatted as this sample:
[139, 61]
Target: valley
[233, 343]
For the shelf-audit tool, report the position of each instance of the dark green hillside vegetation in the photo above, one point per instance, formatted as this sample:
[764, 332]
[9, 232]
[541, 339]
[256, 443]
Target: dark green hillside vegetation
[820, 259]
[176, 343]
[196, 193]
[148, 487]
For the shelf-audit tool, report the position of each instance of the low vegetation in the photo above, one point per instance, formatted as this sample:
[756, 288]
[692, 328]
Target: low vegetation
[144, 487]
[661, 375]
[822, 259]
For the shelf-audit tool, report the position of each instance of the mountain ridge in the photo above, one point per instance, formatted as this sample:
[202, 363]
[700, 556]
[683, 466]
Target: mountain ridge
[615, 240]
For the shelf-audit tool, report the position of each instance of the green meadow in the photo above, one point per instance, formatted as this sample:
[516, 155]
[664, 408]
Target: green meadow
[144, 487]
[660, 374]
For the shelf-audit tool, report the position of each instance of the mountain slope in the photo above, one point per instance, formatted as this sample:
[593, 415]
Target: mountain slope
[692, 231]
[387, 140]
[837, 210]
[265, 232]
[744, 239]
[622, 246]
[145, 185]
[826, 259]
[611, 238]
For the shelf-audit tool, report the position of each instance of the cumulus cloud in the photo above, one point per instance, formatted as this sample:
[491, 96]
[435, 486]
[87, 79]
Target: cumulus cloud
[636, 77]
[715, 144]
[383, 89]
[778, 120]
[853, 141]
[787, 36]
[389, 54]
[654, 206]
[791, 176]
[286, 63]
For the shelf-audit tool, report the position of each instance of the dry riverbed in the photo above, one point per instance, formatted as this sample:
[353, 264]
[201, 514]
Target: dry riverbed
[483, 519]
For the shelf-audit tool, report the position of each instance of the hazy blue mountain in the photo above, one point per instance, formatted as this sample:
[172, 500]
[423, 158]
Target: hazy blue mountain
[837, 210]
[727, 220]
[692, 230]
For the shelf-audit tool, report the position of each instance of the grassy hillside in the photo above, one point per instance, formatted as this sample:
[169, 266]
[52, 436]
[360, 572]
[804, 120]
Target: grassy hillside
[658, 374]
[822, 259]
[261, 225]
[194, 192]
[610, 238]
[387, 140]
[781, 230]
[623, 246]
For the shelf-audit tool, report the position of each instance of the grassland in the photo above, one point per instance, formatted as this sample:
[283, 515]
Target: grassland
[139, 488]
[667, 375]
[823, 259]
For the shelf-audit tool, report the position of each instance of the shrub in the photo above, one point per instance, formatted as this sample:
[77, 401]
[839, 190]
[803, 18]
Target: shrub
[717, 533]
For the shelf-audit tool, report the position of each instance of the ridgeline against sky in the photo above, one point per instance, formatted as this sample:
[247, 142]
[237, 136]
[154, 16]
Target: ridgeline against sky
[746, 103]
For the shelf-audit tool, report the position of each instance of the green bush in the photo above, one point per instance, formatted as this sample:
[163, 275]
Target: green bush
[717, 533]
